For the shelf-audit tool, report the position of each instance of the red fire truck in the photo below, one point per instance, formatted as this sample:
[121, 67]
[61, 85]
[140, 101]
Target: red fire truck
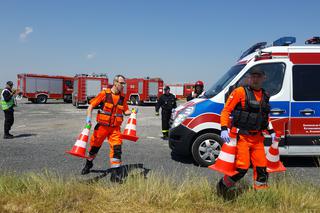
[40, 88]
[143, 90]
[87, 87]
[181, 90]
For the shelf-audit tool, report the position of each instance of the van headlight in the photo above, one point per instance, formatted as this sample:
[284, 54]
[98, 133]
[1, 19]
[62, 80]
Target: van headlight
[182, 115]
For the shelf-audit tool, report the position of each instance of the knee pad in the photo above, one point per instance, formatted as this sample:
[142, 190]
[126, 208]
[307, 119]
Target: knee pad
[117, 151]
[240, 175]
[262, 174]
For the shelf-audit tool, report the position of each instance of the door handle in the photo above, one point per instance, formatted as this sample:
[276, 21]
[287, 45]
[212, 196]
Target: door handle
[307, 112]
[277, 111]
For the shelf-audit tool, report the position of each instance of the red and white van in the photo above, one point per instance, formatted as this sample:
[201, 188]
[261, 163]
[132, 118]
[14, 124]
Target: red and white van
[293, 75]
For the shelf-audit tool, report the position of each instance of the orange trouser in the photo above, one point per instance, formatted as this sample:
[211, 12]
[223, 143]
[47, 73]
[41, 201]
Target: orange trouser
[113, 134]
[250, 148]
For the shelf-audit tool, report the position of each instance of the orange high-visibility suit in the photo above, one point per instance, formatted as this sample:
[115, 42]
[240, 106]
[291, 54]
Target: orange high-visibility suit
[250, 142]
[109, 120]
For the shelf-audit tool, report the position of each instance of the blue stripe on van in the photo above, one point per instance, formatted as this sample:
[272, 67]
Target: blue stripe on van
[283, 105]
[296, 107]
[207, 106]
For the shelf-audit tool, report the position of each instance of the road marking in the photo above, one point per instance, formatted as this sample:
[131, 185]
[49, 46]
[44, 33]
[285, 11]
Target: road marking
[20, 126]
[150, 137]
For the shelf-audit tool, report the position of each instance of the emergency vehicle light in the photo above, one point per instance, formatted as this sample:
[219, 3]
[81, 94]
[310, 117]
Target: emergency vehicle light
[284, 41]
[254, 48]
[314, 40]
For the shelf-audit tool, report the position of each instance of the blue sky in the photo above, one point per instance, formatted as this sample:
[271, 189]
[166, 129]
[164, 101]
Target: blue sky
[177, 40]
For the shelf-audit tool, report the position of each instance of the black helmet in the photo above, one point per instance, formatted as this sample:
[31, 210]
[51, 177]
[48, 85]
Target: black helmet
[10, 83]
[166, 88]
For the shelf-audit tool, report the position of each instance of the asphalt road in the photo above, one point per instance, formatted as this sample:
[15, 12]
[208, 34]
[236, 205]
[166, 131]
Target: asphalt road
[44, 132]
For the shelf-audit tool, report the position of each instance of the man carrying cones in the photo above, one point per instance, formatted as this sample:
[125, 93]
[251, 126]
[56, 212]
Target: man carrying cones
[250, 108]
[109, 120]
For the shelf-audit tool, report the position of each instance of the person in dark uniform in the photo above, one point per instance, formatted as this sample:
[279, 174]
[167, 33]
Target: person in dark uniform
[7, 104]
[198, 91]
[167, 102]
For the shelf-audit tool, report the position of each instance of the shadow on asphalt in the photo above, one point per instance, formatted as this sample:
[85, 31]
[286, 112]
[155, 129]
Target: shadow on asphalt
[301, 161]
[24, 135]
[183, 159]
[124, 170]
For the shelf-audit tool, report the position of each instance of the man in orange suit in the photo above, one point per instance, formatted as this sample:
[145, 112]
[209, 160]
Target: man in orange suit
[109, 120]
[249, 106]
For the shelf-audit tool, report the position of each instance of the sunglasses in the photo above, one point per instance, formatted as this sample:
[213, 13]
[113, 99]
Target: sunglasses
[122, 83]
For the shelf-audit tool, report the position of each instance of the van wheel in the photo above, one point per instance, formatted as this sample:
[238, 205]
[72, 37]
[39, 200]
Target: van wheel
[206, 149]
[42, 99]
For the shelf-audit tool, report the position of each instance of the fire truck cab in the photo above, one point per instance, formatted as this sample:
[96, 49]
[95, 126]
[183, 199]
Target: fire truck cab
[292, 78]
[86, 87]
[140, 91]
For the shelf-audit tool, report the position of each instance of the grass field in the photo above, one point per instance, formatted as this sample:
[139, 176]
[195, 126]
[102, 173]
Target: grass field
[48, 192]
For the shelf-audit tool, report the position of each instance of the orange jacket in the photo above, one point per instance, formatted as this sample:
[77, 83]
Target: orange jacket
[238, 95]
[113, 107]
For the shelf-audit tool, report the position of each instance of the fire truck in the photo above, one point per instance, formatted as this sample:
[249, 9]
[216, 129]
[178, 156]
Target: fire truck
[140, 91]
[87, 87]
[40, 88]
[181, 90]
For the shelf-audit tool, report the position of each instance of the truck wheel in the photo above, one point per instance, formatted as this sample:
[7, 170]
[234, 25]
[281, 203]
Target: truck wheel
[206, 149]
[133, 100]
[42, 99]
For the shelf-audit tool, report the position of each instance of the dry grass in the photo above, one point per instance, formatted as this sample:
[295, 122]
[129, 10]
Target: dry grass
[48, 192]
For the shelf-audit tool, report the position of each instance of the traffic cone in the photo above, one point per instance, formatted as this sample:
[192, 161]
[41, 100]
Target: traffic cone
[273, 158]
[130, 132]
[79, 148]
[226, 159]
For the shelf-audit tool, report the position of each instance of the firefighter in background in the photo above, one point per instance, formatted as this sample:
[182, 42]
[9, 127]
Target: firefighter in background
[198, 91]
[250, 108]
[7, 104]
[109, 119]
[167, 102]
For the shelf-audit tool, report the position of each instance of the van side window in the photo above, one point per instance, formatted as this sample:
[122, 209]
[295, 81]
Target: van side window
[306, 82]
[274, 77]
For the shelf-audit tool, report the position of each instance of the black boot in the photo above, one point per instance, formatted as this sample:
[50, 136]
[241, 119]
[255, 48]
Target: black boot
[87, 167]
[228, 193]
[116, 175]
[8, 136]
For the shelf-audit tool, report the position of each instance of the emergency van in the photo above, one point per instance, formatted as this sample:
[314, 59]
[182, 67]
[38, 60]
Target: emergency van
[292, 80]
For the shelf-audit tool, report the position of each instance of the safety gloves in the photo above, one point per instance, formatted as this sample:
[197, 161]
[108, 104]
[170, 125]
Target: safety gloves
[225, 136]
[134, 110]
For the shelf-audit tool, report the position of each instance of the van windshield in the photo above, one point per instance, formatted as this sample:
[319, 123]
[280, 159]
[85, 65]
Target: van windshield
[224, 81]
